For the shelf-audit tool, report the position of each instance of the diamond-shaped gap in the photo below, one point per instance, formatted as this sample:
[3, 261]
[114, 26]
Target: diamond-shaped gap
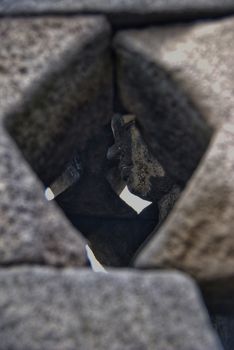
[69, 113]
[113, 228]
[67, 108]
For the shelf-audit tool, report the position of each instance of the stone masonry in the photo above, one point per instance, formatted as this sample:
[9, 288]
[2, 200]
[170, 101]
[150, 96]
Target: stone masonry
[141, 92]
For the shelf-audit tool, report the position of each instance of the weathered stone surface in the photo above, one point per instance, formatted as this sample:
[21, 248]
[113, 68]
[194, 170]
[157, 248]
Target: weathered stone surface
[124, 11]
[72, 96]
[68, 111]
[50, 309]
[37, 60]
[143, 174]
[197, 57]
[138, 168]
[32, 230]
[174, 130]
[197, 237]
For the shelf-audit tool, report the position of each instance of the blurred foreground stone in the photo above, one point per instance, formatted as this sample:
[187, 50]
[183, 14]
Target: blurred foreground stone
[68, 309]
[38, 57]
[197, 237]
[194, 60]
[123, 12]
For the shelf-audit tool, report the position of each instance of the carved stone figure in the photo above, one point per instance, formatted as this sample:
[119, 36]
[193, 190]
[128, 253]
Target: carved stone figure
[143, 174]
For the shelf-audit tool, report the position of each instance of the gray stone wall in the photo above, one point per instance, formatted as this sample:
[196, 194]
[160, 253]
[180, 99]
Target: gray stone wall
[66, 67]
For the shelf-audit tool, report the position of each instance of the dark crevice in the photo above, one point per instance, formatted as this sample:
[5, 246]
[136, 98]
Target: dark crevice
[221, 313]
[117, 103]
[125, 20]
[40, 263]
[114, 230]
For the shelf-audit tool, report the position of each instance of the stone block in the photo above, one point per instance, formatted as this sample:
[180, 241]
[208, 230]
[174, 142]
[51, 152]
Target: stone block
[51, 309]
[178, 82]
[124, 12]
[197, 237]
[196, 57]
[46, 70]
[59, 63]
[174, 129]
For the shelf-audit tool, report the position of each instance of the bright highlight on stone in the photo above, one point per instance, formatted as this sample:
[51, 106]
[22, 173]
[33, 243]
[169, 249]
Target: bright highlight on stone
[49, 194]
[95, 264]
[136, 203]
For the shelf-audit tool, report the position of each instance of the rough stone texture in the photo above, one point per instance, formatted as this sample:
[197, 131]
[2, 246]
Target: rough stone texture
[196, 57]
[73, 98]
[31, 229]
[197, 237]
[67, 310]
[175, 132]
[143, 174]
[67, 111]
[124, 11]
[33, 51]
